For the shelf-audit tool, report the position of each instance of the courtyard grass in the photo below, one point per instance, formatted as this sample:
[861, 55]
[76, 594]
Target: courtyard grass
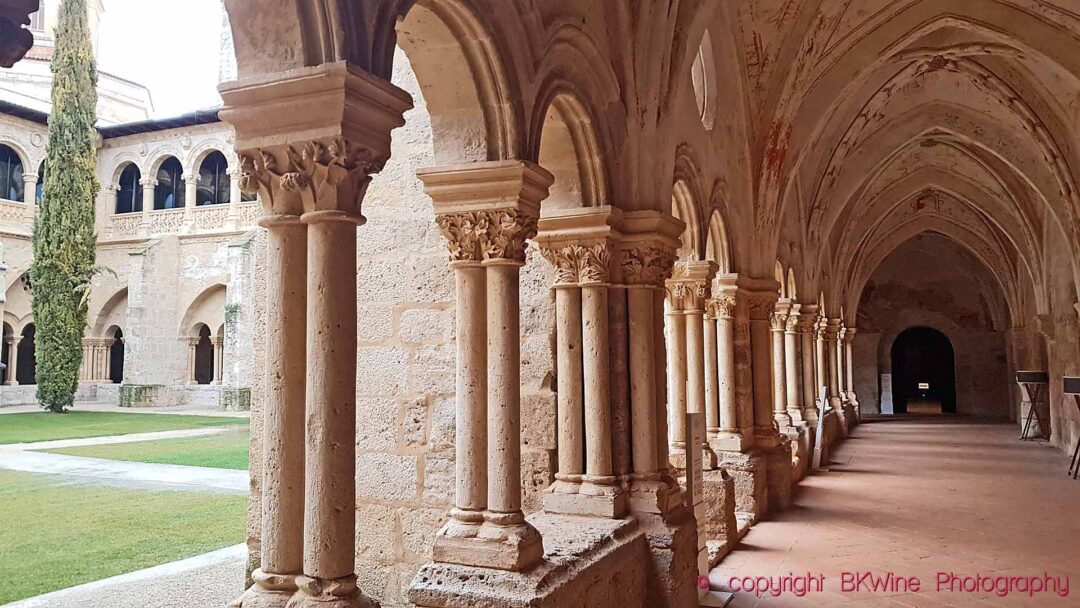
[228, 450]
[57, 534]
[40, 426]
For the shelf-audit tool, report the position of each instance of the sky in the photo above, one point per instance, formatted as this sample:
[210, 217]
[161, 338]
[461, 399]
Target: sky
[170, 47]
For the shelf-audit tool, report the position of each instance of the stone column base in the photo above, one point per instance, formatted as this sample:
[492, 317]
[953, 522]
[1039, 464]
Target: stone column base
[719, 525]
[513, 547]
[672, 569]
[747, 471]
[269, 591]
[779, 476]
[591, 562]
[600, 505]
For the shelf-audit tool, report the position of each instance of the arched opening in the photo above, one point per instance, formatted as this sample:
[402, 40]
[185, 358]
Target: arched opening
[129, 192]
[27, 360]
[169, 191]
[39, 193]
[5, 357]
[568, 151]
[116, 357]
[204, 356]
[214, 186]
[924, 372]
[11, 175]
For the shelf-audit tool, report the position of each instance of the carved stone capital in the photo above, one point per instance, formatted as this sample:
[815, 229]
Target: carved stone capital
[495, 234]
[647, 265]
[832, 329]
[778, 321]
[848, 335]
[722, 307]
[808, 323]
[327, 175]
[580, 264]
[762, 306]
[792, 325]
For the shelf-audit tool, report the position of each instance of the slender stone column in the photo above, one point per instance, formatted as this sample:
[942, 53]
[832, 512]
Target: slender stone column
[282, 539]
[13, 360]
[777, 325]
[832, 362]
[841, 365]
[579, 245]
[234, 199]
[792, 360]
[821, 369]
[193, 343]
[728, 433]
[106, 356]
[808, 319]
[219, 351]
[30, 189]
[690, 288]
[486, 211]
[647, 257]
[676, 374]
[316, 135]
[148, 185]
[712, 370]
[191, 195]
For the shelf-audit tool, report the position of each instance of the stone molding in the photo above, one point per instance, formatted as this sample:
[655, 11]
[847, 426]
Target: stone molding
[648, 247]
[580, 244]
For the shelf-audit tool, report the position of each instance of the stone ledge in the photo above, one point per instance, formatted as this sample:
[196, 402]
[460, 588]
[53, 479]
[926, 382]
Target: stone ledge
[588, 562]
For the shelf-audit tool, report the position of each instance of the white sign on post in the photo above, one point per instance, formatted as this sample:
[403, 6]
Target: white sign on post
[823, 406]
[695, 478]
[886, 394]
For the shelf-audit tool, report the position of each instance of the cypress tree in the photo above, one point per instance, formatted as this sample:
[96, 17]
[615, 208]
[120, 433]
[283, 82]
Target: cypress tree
[64, 238]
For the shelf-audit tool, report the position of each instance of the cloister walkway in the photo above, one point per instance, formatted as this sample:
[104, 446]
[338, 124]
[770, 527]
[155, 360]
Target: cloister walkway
[914, 498]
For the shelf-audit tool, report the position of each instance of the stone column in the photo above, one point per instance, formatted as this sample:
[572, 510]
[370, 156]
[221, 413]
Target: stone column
[234, 199]
[486, 211]
[191, 195]
[792, 360]
[192, 343]
[761, 298]
[778, 324]
[148, 184]
[219, 351]
[282, 538]
[808, 319]
[13, 360]
[106, 356]
[87, 361]
[728, 434]
[675, 332]
[832, 363]
[689, 289]
[30, 189]
[317, 135]
[579, 245]
[821, 369]
[647, 257]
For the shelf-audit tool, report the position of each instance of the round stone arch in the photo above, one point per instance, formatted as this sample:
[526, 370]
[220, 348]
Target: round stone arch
[113, 314]
[20, 149]
[569, 148]
[193, 161]
[686, 202]
[473, 102]
[717, 245]
[121, 163]
[207, 308]
[162, 154]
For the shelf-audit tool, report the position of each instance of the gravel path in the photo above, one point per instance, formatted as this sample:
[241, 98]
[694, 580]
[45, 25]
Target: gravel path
[111, 439]
[205, 581]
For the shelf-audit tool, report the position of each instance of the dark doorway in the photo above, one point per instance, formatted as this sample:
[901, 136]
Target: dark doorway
[27, 360]
[924, 372]
[204, 357]
[116, 358]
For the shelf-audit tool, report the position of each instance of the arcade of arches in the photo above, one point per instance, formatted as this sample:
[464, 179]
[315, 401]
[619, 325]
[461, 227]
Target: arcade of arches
[509, 246]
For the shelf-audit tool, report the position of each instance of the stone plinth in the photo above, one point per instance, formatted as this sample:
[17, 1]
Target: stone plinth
[588, 563]
[747, 471]
[779, 474]
[720, 526]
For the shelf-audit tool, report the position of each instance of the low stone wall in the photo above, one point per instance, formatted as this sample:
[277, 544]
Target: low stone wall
[203, 396]
[26, 394]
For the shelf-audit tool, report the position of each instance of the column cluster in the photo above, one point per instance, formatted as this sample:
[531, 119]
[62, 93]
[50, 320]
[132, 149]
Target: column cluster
[309, 142]
[581, 246]
[721, 403]
[688, 291]
[486, 212]
[97, 360]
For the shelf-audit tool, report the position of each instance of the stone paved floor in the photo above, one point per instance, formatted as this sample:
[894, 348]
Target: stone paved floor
[919, 497]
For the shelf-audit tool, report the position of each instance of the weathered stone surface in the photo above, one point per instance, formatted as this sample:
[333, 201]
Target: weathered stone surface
[747, 471]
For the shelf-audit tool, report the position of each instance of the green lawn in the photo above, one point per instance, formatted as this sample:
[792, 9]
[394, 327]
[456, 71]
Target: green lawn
[41, 426]
[228, 450]
[56, 535]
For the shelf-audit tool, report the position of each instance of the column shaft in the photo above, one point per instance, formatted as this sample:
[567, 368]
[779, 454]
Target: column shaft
[712, 376]
[13, 362]
[676, 378]
[792, 359]
[729, 407]
[471, 415]
[570, 384]
[643, 419]
[810, 391]
[779, 371]
[504, 389]
[597, 388]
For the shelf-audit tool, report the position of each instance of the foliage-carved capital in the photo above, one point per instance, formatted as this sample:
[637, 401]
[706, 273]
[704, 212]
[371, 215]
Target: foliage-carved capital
[580, 264]
[492, 234]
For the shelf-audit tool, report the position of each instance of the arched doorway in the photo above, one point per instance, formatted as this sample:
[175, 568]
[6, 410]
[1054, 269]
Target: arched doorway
[924, 372]
[27, 360]
[116, 357]
[204, 357]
